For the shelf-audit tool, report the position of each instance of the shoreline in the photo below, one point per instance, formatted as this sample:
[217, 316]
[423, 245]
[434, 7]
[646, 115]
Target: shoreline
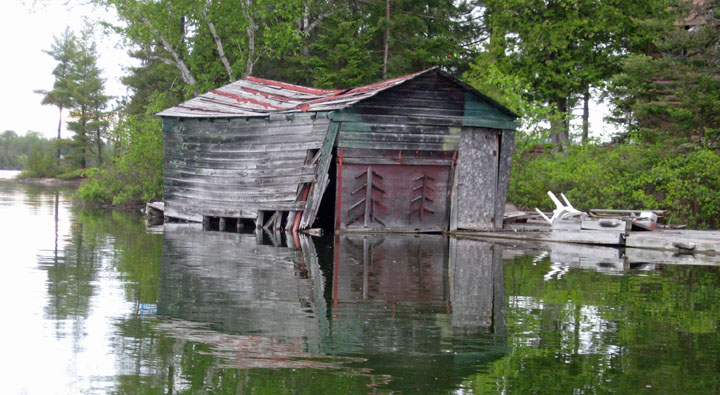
[46, 181]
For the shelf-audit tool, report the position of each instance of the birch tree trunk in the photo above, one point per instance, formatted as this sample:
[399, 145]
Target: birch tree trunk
[218, 42]
[177, 59]
[250, 31]
[386, 48]
[586, 116]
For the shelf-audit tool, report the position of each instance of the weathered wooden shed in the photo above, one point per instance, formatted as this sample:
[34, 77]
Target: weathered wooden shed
[422, 152]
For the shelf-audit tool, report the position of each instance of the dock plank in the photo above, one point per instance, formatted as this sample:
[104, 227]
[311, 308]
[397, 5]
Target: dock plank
[579, 237]
[680, 241]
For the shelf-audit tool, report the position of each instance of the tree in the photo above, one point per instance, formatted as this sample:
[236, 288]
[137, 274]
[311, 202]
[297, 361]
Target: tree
[562, 47]
[63, 50]
[511, 91]
[89, 101]
[360, 42]
[211, 42]
[670, 96]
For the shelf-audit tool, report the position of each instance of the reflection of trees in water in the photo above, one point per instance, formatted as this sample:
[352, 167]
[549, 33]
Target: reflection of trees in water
[592, 332]
[100, 242]
[71, 271]
[71, 276]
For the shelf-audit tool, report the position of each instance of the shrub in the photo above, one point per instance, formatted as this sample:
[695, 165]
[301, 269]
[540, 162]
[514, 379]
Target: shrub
[690, 186]
[135, 174]
[627, 176]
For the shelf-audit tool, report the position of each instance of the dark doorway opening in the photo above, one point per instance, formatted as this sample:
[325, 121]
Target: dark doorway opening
[325, 218]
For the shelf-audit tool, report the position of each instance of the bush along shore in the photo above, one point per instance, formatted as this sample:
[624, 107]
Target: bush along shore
[623, 176]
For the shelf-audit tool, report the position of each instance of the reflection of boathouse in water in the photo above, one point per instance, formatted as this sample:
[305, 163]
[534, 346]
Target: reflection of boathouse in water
[396, 301]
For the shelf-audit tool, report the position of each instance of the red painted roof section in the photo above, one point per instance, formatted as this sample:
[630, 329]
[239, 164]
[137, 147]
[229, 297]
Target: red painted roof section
[292, 87]
[240, 99]
[254, 96]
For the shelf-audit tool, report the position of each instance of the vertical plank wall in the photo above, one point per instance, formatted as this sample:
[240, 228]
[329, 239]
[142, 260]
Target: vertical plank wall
[476, 179]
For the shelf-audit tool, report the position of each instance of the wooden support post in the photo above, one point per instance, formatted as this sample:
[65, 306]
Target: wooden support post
[277, 237]
[222, 224]
[270, 221]
[290, 240]
[278, 221]
[259, 219]
[206, 222]
[298, 218]
[313, 200]
[368, 197]
[338, 190]
[290, 220]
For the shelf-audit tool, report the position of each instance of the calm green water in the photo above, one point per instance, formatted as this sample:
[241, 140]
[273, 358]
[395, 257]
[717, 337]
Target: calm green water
[94, 303]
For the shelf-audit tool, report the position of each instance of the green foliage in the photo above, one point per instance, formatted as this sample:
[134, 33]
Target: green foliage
[339, 56]
[628, 176]
[671, 97]
[592, 333]
[348, 48]
[14, 149]
[510, 90]
[64, 49]
[41, 161]
[152, 75]
[78, 87]
[312, 42]
[135, 175]
[690, 185]
[666, 97]
[88, 102]
[561, 48]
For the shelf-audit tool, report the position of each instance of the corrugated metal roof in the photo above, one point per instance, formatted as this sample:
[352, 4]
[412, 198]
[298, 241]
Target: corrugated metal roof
[251, 96]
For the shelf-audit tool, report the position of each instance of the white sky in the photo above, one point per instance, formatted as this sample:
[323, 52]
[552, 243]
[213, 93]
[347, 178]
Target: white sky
[26, 30]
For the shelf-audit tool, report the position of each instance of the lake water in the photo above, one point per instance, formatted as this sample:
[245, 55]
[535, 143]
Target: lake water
[8, 174]
[93, 302]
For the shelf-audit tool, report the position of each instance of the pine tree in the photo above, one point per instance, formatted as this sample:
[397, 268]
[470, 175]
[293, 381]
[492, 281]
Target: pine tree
[63, 50]
[563, 47]
[89, 102]
[671, 97]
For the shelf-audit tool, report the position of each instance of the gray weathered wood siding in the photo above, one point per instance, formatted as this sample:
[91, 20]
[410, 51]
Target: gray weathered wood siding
[476, 180]
[426, 113]
[396, 140]
[233, 167]
[507, 145]
[477, 285]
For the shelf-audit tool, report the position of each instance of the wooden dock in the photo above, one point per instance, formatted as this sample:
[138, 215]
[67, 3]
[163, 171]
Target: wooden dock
[681, 241]
[674, 241]
[602, 258]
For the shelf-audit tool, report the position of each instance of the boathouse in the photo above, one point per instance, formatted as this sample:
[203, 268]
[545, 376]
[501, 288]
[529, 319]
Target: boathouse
[423, 152]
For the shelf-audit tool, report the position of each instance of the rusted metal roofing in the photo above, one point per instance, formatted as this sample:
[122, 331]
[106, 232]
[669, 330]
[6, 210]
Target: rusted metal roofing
[251, 96]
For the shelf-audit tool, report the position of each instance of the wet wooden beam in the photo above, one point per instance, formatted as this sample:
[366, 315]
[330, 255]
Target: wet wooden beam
[682, 241]
[507, 142]
[579, 237]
